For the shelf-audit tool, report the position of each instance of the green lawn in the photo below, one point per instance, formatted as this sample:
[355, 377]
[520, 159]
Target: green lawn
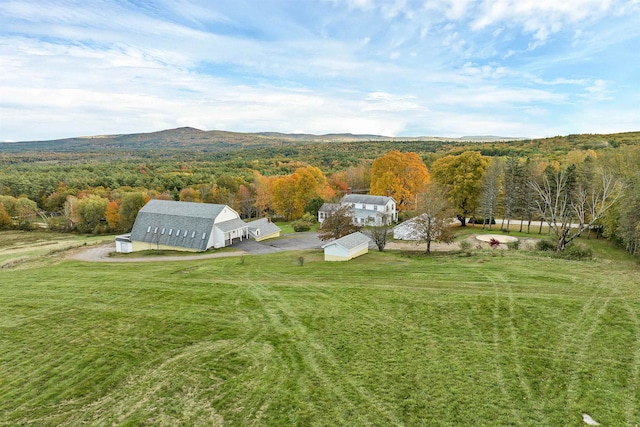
[20, 246]
[513, 338]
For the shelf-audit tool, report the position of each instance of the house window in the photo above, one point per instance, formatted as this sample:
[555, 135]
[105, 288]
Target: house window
[204, 236]
[155, 231]
[162, 232]
[148, 229]
[170, 231]
[185, 233]
[193, 234]
[178, 233]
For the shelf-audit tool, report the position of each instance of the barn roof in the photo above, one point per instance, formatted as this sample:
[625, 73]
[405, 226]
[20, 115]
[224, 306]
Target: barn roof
[187, 209]
[182, 224]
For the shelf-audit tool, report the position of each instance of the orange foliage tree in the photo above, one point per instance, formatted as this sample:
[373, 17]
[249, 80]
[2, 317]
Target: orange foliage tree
[290, 194]
[189, 194]
[400, 175]
[263, 189]
[283, 197]
[112, 215]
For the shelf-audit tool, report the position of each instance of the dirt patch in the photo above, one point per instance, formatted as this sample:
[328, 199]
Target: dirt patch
[487, 238]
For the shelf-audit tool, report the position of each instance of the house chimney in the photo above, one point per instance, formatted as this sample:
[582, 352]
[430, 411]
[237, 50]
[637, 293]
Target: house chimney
[348, 190]
[388, 193]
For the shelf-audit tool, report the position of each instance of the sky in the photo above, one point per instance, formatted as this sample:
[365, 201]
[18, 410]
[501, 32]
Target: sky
[451, 68]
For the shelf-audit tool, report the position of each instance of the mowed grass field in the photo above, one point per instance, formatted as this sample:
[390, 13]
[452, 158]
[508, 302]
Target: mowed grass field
[497, 338]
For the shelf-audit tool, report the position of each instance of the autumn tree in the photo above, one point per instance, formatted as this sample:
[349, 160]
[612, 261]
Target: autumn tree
[263, 191]
[189, 194]
[290, 194]
[433, 224]
[312, 184]
[400, 175]
[461, 178]
[19, 207]
[338, 223]
[356, 177]
[5, 219]
[112, 215]
[88, 212]
[131, 204]
[283, 197]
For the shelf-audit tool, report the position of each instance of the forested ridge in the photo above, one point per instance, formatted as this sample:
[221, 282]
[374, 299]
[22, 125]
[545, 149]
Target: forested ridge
[97, 184]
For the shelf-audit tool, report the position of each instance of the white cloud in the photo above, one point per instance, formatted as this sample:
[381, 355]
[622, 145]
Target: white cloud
[542, 18]
[365, 66]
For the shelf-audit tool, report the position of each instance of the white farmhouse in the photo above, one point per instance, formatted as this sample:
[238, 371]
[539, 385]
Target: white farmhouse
[366, 209]
[347, 247]
[165, 224]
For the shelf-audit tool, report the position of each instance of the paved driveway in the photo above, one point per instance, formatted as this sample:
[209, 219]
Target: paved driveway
[289, 242]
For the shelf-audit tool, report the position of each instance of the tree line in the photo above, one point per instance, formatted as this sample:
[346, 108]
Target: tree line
[597, 191]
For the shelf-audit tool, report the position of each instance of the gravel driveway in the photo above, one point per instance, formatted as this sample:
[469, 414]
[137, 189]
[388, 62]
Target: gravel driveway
[289, 242]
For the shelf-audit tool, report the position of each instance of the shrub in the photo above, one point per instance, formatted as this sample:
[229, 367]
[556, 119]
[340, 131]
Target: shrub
[465, 246]
[546, 245]
[513, 246]
[576, 252]
[301, 225]
[494, 243]
[25, 225]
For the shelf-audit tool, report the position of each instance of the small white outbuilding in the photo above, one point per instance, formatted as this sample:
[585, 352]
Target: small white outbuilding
[263, 229]
[347, 247]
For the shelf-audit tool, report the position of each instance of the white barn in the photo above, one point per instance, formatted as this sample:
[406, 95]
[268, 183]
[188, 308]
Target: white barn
[347, 247]
[165, 224]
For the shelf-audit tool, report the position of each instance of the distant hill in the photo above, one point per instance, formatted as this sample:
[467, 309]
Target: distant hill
[196, 139]
[187, 139]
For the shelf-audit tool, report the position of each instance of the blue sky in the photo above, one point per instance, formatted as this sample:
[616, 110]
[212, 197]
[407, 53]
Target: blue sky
[530, 68]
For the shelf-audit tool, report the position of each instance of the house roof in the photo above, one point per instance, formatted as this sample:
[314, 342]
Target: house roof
[329, 207]
[366, 198]
[265, 226]
[350, 241]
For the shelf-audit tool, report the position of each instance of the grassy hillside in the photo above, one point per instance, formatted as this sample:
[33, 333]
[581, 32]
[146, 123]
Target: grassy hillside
[512, 338]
